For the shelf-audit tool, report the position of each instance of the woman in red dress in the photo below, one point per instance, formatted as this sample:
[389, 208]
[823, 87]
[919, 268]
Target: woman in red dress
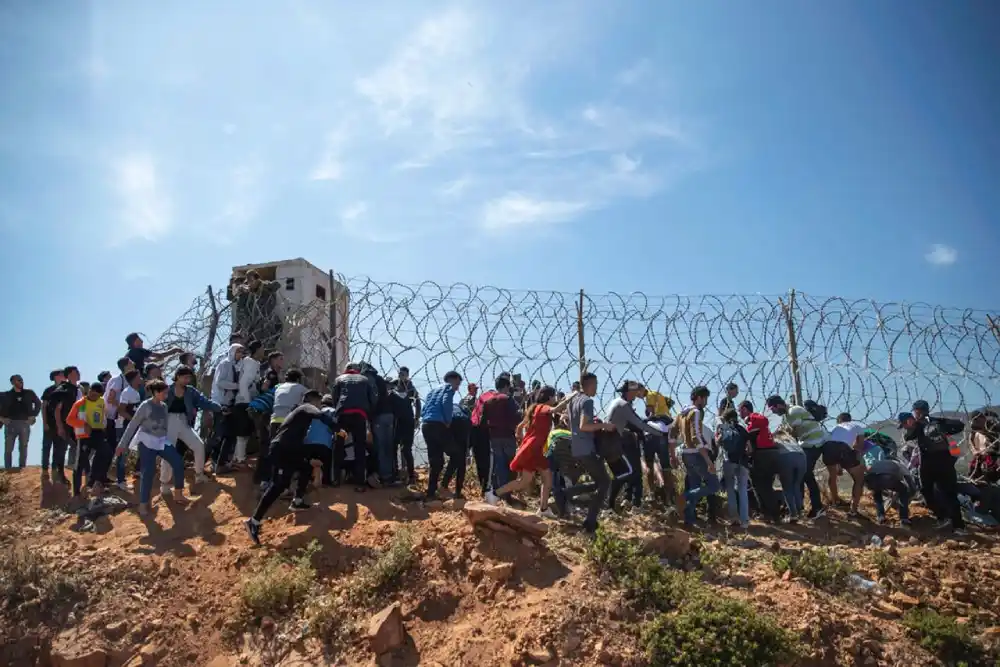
[533, 432]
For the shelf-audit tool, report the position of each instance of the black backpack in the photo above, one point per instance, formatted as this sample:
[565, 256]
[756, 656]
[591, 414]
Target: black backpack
[733, 440]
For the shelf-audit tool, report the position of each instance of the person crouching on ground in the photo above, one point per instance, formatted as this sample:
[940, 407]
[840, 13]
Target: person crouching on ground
[888, 475]
[289, 455]
[533, 432]
[842, 451]
[150, 426]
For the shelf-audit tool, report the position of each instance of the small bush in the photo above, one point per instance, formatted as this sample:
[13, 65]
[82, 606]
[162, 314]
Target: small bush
[816, 566]
[942, 635]
[881, 562]
[385, 572]
[716, 631]
[25, 577]
[719, 559]
[280, 584]
[646, 582]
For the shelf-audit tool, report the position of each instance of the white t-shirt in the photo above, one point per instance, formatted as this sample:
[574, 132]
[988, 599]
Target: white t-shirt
[130, 397]
[117, 385]
[847, 433]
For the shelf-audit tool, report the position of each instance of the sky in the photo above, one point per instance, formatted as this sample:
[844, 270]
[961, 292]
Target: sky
[846, 148]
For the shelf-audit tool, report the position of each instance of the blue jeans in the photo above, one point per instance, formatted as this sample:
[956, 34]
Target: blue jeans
[383, 435]
[147, 466]
[120, 462]
[697, 487]
[737, 484]
[813, 455]
[503, 450]
[792, 473]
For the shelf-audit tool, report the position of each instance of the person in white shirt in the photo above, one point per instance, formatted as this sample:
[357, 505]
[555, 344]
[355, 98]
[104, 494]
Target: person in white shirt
[225, 386]
[248, 371]
[842, 451]
[113, 390]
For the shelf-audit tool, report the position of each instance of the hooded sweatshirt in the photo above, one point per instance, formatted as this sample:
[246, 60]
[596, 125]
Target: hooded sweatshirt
[249, 368]
[225, 385]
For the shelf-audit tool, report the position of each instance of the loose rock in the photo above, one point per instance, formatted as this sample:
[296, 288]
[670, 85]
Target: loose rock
[385, 630]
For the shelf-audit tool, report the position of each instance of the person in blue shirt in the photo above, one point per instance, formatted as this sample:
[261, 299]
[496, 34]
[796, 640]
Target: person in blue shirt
[319, 440]
[436, 416]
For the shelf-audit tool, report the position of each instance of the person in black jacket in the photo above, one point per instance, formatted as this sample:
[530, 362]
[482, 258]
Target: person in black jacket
[938, 479]
[355, 398]
[18, 409]
[290, 455]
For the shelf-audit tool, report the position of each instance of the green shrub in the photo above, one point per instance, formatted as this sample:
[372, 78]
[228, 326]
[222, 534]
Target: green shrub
[942, 635]
[816, 566]
[280, 584]
[880, 561]
[716, 631]
[718, 559]
[385, 572]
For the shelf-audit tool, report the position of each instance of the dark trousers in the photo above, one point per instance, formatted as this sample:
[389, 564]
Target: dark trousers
[282, 472]
[593, 465]
[83, 465]
[457, 453]
[403, 436]
[266, 431]
[937, 474]
[226, 431]
[479, 441]
[767, 466]
[59, 447]
[633, 479]
[47, 440]
[356, 426]
[813, 454]
[438, 439]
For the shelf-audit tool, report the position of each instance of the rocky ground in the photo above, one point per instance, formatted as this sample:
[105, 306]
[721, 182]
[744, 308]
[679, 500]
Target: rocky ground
[383, 578]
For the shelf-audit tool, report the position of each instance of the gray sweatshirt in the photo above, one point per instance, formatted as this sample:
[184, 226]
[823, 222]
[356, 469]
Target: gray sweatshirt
[621, 414]
[150, 418]
[287, 397]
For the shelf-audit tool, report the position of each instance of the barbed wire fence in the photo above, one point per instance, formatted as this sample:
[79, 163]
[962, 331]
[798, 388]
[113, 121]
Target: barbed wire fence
[867, 358]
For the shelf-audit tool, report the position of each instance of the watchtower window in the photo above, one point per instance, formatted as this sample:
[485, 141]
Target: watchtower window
[321, 292]
[289, 284]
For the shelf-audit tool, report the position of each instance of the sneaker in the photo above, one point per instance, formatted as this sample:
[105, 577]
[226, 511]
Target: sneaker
[373, 482]
[816, 514]
[299, 504]
[547, 513]
[491, 498]
[960, 532]
[123, 486]
[253, 530]
[200, 478]
[179, 499]
[143, 509]
[944, 523]
[166, 490]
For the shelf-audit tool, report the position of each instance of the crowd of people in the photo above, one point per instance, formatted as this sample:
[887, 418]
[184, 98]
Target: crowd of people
[362, 433]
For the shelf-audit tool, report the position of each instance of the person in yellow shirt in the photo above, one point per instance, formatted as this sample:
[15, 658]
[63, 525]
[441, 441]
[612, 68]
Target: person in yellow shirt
[88, 420]
[657, 405]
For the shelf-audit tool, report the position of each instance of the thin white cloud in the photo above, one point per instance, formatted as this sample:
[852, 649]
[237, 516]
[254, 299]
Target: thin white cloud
[244, 197]
[516, 210]
[329, 167]
[145, 209]
[456, 187]
[941, 255]
[354, 211]
[634, 73]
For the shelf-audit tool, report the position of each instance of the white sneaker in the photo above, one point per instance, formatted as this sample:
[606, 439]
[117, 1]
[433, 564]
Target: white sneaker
[491, 498]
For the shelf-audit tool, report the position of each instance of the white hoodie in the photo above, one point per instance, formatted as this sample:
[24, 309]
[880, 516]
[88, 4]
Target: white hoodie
[225, 386]
[249, 369]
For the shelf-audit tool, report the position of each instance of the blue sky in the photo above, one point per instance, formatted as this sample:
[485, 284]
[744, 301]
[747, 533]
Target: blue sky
[844, 148]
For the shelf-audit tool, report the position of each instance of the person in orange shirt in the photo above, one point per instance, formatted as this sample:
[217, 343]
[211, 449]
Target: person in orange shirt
[88, 421]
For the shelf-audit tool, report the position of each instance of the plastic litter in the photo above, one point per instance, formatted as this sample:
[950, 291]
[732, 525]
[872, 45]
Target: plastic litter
[859, 583]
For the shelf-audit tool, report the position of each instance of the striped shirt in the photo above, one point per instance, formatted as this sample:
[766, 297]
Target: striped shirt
[804, 428]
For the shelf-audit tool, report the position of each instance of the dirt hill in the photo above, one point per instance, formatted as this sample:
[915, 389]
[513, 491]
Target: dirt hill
[380, 578]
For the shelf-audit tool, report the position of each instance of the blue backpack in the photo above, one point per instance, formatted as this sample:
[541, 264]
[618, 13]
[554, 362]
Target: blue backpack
[734, 442]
